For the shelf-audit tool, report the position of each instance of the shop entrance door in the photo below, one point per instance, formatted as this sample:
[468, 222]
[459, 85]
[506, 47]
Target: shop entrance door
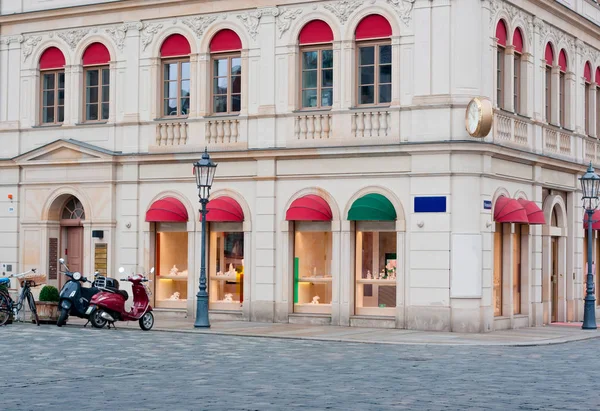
[554, 280]
[75, 248]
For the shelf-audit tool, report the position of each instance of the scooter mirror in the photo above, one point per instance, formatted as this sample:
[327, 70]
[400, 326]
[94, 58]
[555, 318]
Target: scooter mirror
[152, 270]
[61, 260]
[121, 270]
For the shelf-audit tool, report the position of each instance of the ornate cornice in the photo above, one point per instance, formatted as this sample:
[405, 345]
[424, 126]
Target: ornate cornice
[199, 24]
[73, 37]
[284, 21]
[12, 39]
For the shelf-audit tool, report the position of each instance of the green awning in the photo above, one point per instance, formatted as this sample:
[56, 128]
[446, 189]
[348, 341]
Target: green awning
[372, 207]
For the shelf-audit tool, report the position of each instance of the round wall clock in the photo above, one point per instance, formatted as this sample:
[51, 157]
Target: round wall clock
[479, 117]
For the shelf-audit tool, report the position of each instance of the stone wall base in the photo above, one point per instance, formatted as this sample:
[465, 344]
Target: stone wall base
[427, 318]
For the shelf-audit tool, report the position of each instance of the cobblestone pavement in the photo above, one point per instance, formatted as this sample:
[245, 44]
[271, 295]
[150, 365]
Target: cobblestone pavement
[53, 368]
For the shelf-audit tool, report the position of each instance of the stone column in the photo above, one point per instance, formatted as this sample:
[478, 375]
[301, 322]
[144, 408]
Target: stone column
[133, 93]
[555, 98]
[509, 78]
[336, 295]
[571, 121]
[507, 271]
[547, 277]
[527, 86]
[347, 272]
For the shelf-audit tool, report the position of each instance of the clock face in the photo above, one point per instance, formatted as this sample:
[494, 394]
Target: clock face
[472, 117]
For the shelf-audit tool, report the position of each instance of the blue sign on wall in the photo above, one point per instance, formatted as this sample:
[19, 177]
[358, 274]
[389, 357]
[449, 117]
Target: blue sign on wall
[487, 204]
[430, 204]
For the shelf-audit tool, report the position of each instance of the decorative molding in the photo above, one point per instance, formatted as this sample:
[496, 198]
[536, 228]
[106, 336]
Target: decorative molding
[548, 32]
[148, 32]
[118, 35]
[497, 6]
[403, 8]
[284, 22]
[344, 8]
[199, 24]
[73, 37]
[12, 39]
[251, 21]
[29, 44]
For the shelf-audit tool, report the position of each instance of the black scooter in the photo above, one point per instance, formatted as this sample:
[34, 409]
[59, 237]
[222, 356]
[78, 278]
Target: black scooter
[75, 299]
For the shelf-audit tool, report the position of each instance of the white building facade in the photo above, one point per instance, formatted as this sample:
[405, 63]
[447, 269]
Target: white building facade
[348, 191]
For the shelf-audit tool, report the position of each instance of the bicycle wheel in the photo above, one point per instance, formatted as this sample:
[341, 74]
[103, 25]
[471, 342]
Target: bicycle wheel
[32, 307]
[4, 310]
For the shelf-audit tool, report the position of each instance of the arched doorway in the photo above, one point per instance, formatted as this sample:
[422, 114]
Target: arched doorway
[72, 216]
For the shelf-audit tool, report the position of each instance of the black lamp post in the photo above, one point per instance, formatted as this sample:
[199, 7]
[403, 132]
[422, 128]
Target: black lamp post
[590, 185]
[204, 170]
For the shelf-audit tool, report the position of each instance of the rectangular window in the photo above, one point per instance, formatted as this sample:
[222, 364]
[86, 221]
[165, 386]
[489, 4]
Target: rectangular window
[227, 84]
[374, 74]
[517, 269]
[97, 93]
[562, 99]
[317, 78]
[586, 114]
[176, 88]
[171, 266]
[376, 272]
[598, 112]
[226, 269]
[498, 267]
[500, 77]
[517, 84]
[548, 91]
[53, 97]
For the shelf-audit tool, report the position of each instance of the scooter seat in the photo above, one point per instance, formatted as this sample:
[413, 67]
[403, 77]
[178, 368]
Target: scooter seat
[4, 281]
[123, 293]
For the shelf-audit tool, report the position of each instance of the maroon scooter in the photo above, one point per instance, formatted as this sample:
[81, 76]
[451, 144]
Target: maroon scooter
[108, 306]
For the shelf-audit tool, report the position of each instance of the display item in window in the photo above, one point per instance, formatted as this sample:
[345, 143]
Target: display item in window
[315, 299]
[175, 296]
[174, 270]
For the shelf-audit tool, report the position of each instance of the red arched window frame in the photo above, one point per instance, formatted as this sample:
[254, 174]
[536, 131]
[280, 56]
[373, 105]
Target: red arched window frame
[518, 53]
[374, 61]
[176, 90]
[500, 62]
[562, 84]
[52, 86]
[316, 65]
[549, 56]
[597, 81]
[96, 90]
[226, 72]
[587, 76]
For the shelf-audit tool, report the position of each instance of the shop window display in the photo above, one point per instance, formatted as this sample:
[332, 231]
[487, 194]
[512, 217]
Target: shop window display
[172, 273]
[312, 272]
[226, 289]
[376, 270]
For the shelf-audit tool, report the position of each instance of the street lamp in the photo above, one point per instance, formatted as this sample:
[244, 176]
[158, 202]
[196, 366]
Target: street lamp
[204, 169]
[590, 185]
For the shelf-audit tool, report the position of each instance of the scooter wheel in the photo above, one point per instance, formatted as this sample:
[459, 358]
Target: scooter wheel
[147, 321]
[64, 314]
[97, 320]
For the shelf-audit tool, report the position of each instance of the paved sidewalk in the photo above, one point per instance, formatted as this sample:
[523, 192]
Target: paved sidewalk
[553, 334]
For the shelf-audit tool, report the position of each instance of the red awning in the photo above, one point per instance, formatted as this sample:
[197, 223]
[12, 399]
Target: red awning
[309, 208]
[167, 209]
[595, 219]
[224, 209]
[508, 210]
[534, 214]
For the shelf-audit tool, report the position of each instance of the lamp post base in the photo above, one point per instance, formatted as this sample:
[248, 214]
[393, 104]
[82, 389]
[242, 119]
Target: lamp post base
[589, 313]
[202, 312]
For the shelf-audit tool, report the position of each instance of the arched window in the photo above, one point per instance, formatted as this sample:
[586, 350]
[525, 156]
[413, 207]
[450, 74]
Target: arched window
[374, 69]
[52, 73]
[597, 81]
[175, 54]
[562, 63]
[587, 75]
[97, 82]
[317, 65]
[73, 210]
[226, 90]
[518, 52]
[500, 57]
[549, 55]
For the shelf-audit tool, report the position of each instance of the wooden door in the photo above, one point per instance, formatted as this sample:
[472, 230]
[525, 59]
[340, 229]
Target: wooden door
[75, 248]
[554, 279]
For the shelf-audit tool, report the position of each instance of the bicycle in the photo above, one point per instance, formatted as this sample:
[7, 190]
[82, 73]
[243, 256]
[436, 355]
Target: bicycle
[8, 307]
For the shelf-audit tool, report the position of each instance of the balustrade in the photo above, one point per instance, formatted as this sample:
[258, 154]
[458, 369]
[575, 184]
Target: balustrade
[371, 124]
[173, 133]
[222, 131]
[312, 127]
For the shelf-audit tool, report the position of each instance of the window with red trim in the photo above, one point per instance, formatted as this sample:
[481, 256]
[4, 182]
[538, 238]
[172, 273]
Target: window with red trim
[96, 73]
[562, 63]
[587, 75]
[52, 86]
[175, 53]
[316, 65]
[226, 89]
[374, 60]
[549, 55]
[518, 50]
[597, 81]
[500, 59]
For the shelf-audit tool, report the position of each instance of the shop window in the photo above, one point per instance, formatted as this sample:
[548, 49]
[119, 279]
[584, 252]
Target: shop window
[172, 265]
[226, 289]
[175, 52]
[52, 74]
[374, 62]
[498, 267]
[500, 57]
[312, 268]
[517, 269]
[316, 65]
[96, 75]
[376, 270]
[548, 82]
[226, 77]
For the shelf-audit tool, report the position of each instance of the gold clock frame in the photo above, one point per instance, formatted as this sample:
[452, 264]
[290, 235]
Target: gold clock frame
[486, 117]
